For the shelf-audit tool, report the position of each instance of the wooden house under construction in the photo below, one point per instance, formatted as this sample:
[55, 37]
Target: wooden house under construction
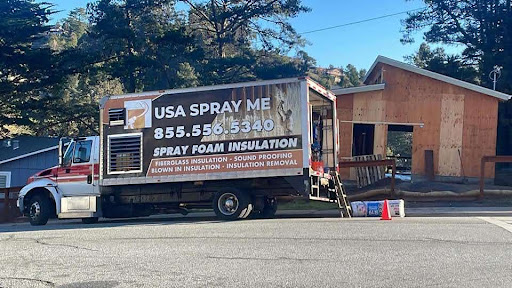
[452, 123]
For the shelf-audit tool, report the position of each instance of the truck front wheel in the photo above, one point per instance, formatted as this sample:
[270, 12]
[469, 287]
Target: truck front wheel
[232, 204]
[39, 210]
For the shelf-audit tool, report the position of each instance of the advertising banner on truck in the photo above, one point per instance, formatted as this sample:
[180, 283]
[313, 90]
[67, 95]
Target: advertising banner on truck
[248, 130]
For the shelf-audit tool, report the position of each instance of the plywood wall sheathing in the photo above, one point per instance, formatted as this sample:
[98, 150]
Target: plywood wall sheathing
[344, 105]
[380, 139]
[427, 110]
[479, 133]
[412, 98]
[452, 112]
[369, 106]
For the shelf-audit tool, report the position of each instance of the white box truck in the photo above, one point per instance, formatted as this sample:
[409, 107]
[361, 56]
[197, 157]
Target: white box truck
[236, 148]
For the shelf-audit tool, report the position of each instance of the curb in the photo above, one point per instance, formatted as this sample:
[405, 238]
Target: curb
[334, 213]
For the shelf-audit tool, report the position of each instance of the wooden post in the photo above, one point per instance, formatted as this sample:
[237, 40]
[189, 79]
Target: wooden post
[482, 176]
[429, 164]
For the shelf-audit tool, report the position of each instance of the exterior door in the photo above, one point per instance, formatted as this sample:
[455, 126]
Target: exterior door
[77, 174]
[363, 141]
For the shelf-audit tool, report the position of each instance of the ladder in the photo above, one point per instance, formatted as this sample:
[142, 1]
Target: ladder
[341, 196]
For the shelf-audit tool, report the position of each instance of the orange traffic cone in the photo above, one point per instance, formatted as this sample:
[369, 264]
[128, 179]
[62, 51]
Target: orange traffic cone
[386, 215]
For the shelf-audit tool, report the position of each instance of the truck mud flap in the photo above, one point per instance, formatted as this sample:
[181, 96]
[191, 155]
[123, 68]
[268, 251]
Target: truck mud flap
[300, 184]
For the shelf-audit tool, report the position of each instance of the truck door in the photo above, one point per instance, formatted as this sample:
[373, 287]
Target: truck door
[76, 176]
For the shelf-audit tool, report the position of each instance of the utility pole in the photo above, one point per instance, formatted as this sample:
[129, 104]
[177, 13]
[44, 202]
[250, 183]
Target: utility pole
[495, 75]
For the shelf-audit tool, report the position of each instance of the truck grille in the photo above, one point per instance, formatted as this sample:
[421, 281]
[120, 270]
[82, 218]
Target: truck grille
[124, 153]
[116, 116]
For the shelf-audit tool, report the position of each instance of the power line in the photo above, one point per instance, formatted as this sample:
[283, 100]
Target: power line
[361, 21]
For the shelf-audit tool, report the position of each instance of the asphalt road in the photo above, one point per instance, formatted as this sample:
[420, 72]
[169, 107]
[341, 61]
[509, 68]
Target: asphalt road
[286, 252]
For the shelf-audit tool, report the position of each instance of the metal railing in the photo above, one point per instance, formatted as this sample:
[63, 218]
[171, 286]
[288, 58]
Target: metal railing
[491, 159]
[8, 209]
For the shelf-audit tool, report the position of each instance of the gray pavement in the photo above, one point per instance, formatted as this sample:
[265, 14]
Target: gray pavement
[287, 252]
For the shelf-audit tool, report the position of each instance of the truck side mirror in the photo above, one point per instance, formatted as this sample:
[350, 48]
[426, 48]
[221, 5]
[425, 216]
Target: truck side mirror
[61, 146]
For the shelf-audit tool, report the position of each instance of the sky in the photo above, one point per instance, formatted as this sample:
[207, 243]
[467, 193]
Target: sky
[357, 44]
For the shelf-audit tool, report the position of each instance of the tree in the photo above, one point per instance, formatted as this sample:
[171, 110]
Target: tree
[352, 77]
[272, 65]
[235, 33]
[25, 68]
[74, 105]
[70, 31]
[438, 61]
[228, 23]
[306, 62]
[142, 43]
[484, 28]
[337, 77]
[53, 84]
[423, 56]
[67, 105]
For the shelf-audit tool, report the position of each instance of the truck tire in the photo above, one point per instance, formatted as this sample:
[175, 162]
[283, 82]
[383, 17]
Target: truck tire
[269, 210]
[39, 210]
[232, 204]
[90, 220]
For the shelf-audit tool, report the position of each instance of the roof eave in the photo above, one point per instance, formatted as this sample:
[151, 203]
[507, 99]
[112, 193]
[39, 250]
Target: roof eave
[359, 89]
[29, 154]
[437, 76]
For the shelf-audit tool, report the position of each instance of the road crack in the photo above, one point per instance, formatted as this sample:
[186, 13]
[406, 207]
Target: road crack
[8, 238]
[465, 242]
[266, 259]
[353, 239]
[48, 283]
[42, 242]
[39, 241]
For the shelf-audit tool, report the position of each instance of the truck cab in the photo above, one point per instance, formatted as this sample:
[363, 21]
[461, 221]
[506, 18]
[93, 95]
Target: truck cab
[69, 190]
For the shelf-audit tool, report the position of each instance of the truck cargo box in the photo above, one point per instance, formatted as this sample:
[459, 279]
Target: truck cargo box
[245, 130]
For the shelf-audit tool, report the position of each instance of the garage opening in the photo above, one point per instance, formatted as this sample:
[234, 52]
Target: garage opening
[399, 146]
[363, 139]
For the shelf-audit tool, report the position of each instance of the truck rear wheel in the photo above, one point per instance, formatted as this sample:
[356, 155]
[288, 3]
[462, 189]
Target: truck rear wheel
[232, 204]
[39, 210]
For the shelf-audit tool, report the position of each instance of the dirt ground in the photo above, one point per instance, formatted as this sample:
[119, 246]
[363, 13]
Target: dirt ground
[420, 186]
[431, 193]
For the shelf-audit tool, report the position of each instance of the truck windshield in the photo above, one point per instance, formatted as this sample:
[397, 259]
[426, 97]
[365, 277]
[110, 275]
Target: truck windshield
[68, 156]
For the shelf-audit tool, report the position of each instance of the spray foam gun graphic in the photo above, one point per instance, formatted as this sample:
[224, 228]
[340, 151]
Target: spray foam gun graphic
[133, 119]
[285, 115]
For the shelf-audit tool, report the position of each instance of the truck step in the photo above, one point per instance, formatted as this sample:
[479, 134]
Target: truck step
[77, 215]
[323, 199]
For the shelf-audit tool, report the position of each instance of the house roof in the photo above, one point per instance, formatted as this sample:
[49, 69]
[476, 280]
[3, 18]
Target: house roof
[24, 146]
[437, 76]
[358, 89]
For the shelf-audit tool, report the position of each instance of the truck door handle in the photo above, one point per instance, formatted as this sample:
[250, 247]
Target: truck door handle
[89, 179]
